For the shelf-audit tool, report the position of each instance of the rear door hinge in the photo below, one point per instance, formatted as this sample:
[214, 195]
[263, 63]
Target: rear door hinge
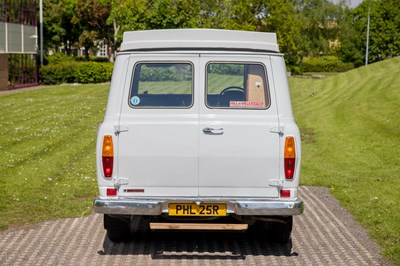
[120, 181]
[275, 183]
[120, 128]
[278, 130]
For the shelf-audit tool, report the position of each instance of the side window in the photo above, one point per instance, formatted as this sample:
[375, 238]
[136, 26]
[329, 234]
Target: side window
[236, 86]
[162, 85]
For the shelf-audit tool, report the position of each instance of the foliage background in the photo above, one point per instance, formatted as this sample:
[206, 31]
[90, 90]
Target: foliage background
[305, 28]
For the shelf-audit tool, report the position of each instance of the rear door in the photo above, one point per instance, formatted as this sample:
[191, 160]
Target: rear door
[158, 142]
[238, 154]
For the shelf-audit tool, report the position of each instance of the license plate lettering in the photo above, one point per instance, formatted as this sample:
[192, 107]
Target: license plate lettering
[184, 209]
[189, 209]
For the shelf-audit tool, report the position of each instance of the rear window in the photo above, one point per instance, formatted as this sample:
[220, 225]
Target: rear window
[162, 85]
[236, 86]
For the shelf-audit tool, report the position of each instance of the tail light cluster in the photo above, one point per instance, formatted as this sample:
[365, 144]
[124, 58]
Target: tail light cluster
[290, 157]
[108, 156]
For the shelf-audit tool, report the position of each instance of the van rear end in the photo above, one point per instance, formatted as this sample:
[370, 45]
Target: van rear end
[197, 132]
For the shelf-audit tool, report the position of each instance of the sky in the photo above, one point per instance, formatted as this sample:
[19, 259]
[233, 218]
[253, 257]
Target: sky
[353, 3]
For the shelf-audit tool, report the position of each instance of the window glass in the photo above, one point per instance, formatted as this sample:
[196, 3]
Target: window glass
[236, 86]
[14, 38]
[162, 85]
[29, 40]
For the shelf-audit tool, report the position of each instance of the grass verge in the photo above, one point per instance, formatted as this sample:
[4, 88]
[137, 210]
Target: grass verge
[47, 151]
[350, 126]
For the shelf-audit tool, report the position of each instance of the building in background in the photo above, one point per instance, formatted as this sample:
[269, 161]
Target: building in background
[18, 44]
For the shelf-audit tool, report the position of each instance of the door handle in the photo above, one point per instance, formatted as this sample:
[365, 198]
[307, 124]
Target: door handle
[213, 131]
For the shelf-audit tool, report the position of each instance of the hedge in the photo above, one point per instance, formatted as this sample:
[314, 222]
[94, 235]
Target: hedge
[58, 58]
[91, 58]
[325, 64]
[75, 72]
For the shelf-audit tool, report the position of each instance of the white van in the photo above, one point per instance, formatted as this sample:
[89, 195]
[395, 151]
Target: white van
[199, 135]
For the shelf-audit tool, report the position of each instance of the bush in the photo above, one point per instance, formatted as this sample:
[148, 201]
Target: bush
[76, 72]
[294, 70]
[92, 59]
[58, 58]
[325, 64]
[57, 73]
[92, 72]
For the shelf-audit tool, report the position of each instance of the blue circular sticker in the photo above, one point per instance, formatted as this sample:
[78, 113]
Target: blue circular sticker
[135, 100]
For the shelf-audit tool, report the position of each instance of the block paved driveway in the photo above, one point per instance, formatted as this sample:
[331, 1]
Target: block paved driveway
[324, 235]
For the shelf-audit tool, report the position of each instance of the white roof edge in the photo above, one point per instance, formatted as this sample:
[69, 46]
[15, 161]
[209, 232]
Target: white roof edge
[199, 38]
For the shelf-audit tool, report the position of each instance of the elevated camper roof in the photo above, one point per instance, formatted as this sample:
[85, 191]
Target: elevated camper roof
[199, 39]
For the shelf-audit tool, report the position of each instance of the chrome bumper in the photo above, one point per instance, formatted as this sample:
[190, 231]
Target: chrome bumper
[154, 207]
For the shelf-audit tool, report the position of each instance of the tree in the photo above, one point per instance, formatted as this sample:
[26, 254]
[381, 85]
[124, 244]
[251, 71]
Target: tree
[59, 31]
[303, 27]
[124, 16]
[280, 18]
[87, 41]
[214, 14]
[92, 16]
[321, 20]
[384, 39]
[385, 30]
[167, 14]
[267, 16]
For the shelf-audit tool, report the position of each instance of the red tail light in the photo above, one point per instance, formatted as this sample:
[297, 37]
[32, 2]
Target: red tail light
[108, 156]
[108, 163]
[111, 192]
[290, 157]
[285, 193]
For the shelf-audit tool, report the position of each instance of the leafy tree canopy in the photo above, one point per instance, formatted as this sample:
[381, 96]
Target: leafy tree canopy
[304, 27]
[384, 37]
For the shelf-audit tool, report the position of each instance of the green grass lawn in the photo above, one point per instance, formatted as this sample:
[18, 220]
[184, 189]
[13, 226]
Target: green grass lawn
[47, 152]
[350, 126]
[217, 82]
[166, 87]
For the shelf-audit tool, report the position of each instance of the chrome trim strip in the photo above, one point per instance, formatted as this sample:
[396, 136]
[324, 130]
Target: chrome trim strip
[241, 206]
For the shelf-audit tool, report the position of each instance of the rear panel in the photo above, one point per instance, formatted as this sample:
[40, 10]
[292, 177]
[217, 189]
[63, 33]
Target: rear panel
[241, 155]
[158, 151]
[176, 132]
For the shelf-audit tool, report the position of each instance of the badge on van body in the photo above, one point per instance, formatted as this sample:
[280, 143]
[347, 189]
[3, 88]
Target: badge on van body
[135, 100]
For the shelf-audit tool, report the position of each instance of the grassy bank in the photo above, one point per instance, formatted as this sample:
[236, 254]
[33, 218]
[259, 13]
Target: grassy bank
[350, 126]
[47, 151]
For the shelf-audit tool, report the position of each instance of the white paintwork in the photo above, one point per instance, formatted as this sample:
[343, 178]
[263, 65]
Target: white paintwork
[165, 151]
[279, 85]
[199, 38]
[160, 148]
[241, 161]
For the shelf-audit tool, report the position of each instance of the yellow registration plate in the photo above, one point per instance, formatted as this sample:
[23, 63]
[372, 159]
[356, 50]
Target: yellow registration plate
[191, 209]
